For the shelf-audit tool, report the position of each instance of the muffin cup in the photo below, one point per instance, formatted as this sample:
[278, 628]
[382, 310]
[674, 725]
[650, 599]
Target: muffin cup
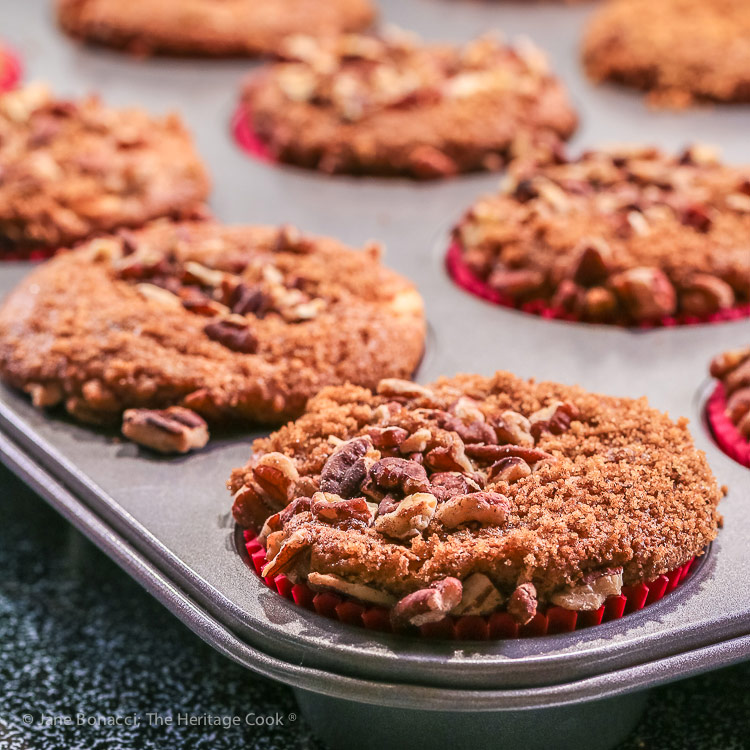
[495, 626]
[726, 434]
[10, 69]
[246, 137]
[467, 280]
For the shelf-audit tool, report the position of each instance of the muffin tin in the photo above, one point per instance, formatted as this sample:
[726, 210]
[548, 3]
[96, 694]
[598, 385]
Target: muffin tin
[167, 521]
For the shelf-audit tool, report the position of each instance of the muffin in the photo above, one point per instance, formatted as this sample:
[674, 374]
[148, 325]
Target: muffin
[75, 169]
[206, 27]
[680, 51]
[227, 324]
[728, 408]
[393, 105]
[627, 236]
[511, 503]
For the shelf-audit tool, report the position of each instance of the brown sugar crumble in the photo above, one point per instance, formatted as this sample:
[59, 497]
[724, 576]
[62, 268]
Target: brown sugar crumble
[473, 492]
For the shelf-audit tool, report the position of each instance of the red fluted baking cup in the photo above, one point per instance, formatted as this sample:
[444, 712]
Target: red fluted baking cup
[468, 280]
[10, 69]
[468, 627]
[247, 138]
[725, 432]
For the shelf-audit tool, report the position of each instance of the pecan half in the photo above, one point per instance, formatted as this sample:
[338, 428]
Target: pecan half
[410, 517]
[592, 593]
[480, 597]
[359, 591]
[487, 453]
[646, 293]
[337, 511]
[705, 294]
[427, 605]
[234, 333]
[277, 475]
[451, 457]
[512, 427]
[407, 477]
[523, 603]
[511, 470]
[250, 509]
[447, 484]
[172, 430]
[289, 554]
[346, 469]
[554, 418]
[484, 508]
[387, 438]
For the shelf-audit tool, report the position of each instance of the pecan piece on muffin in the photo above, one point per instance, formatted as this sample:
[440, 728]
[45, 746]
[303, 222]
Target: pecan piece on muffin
[612, 494]
[206, 317]
[72, 169]
[393, 105]
[598, 235]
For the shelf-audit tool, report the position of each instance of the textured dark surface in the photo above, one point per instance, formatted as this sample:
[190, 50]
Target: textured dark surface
[77, 636]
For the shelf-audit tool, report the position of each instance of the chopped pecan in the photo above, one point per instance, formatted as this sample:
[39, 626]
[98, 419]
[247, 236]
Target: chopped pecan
[480, 597]
[646, 293]
[387, 438]
[484, 508]
[738, 404]
[592, 261]
[477, 431]
[705, 294]
[512, 427]
[234, 333]
[697, 216]
[205, 276]
[416, 442]
[738, 378]
[487, 453]
[395, 387]
[172, 430]
[516, 284]
[410, 517]
[523, 603]
[346, 468]
[289, 554]
[277, 475]
[157, 294]
[427, 605]
[298, 505]
[510, 470]
[554, 418]
[427, 162]
[250, 509]
[337, 511]
[599, 304]
[45, 395]
[451, 457]
[407, 477]
[468, 411]
[743, 425]
[271, 525]
[446, 484]
[592, 592]
[249, 300]
[359, 591]
[728, 361]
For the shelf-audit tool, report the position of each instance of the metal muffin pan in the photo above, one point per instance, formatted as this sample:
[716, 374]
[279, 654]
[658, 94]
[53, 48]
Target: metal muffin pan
[167, 521]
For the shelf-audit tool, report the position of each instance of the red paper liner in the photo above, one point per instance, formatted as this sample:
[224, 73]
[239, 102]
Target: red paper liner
[469, 627]
[10, 69]
[467, 280]
[246, 137]
[725, 432]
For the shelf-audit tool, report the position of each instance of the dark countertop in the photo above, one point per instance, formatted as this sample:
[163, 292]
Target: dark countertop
[78, 637]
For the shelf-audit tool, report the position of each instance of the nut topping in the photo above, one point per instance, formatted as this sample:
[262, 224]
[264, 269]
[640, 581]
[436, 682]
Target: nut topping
[451, 457]
[705, 294]
[510, 470]
[592, 593]
[233, 333]
[337, 511]
[172, 430]
[277, 475]
[346, 468]
[289, 554]
[480, 597]
[410, 517]
[427, 605]
[512, 427]
[646, 293]
[484, 508]
[45, 395]
[523, 603]
[403, 389]
[249, 508]
[406, 477]
[359, 591]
